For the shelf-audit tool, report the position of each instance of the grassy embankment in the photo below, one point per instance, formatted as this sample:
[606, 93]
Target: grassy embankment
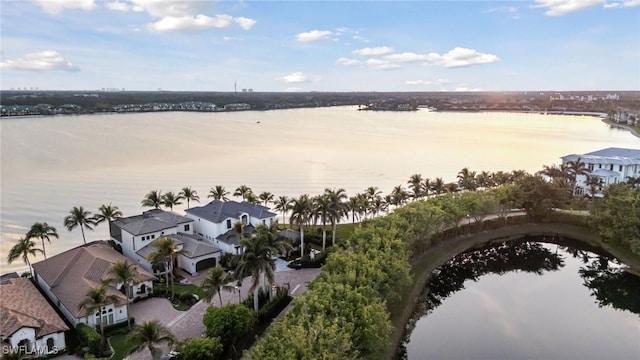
[635, 130]
[571, 226]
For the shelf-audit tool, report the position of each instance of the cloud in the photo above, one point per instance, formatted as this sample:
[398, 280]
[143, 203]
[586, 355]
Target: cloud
[406, 57]
[173, 8]
[461, 57]
[621, 4]
[314, 35]
[563, 7]
[379, 64]
[119, 6]
[187, 23]
[348, 62]
[48, 60]
[294, 89]
[377, 51]
[58, 6]
[511, 10]
[427, 82]
[244, 22]
[293, 78]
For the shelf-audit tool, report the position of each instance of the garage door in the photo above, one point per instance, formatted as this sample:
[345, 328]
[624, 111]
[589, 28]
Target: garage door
[205, 264]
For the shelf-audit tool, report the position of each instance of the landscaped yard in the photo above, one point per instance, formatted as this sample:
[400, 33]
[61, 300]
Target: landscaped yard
[182, 292]
[121, 346]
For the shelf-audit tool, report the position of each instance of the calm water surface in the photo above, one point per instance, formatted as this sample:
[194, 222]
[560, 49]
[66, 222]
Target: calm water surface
[529, 301]
[50, 164]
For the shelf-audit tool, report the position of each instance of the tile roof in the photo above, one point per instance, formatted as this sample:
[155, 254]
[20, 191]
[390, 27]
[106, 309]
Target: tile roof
[231, 238]
[72, 273]
[151, 221]
[22, 305]
[192, 244]
[218, 211]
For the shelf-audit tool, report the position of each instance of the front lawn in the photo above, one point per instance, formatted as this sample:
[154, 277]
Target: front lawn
[121, 346]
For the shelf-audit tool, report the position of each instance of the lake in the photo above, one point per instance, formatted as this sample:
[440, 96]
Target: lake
[51, 164]
[528, 300]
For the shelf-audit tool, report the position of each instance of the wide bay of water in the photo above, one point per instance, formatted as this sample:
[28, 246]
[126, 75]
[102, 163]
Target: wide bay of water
[51, 164]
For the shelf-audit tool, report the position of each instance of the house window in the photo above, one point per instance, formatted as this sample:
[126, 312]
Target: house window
[50, 344]
[228, 223]
[620, 168]
[186, 227]
[264, 222]
[590, 167]
[611, 167]
[245, 219]
[153, 236]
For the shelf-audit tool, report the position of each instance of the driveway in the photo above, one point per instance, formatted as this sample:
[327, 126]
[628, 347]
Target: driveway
[154, 309]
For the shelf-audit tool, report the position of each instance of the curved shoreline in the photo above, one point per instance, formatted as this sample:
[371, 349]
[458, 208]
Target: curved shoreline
[631, 129]
[425, 263]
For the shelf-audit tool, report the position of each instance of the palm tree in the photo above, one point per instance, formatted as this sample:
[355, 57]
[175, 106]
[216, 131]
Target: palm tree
[576, 168]
[483, 180]
[123, 272]
[426, 187]
[107, 213]
[399, 196]
[218, 193]
[321, 209]
[300, 213]
[355, 206]
[23, 248]
[438, 186]
[280, 243]
[243, 191]
[266, 197]
[256, 260]
[251, 198]
[215, 282]
[164, 255]
[282, 204]
[152, 199]
[169, 199]
[339, 207]
[189, 195]
[467, 179]
[149, 335]
[594, 184]
[94, 301]
[81, 218]
[378, 205]
[43, 231]
[371, 192]
[415, 184]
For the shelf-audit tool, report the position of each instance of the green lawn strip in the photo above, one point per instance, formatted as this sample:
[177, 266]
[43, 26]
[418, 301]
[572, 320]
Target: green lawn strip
[121, 346]
[181, 289]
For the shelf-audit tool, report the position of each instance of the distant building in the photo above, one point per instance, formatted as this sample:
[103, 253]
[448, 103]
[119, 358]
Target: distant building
[237, 107]
[609, 166]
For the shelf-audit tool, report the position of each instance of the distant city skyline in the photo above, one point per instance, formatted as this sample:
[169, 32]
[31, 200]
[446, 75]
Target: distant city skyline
[274, 46]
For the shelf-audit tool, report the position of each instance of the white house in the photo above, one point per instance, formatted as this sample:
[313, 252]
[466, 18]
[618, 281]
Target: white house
[137, 235]
[610, 166]
[28, 324]
[67, 277]
[214, 221]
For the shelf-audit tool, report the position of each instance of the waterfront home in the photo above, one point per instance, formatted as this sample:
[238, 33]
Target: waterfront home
[608, 166]
[67, 277]
[136, 235]
[28, 324]
[215, 221]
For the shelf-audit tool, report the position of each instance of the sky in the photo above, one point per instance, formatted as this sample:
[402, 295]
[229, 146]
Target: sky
[274, 46]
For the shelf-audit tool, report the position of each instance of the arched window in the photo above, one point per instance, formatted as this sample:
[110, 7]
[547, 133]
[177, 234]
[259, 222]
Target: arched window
[245, 219]
[50, 344]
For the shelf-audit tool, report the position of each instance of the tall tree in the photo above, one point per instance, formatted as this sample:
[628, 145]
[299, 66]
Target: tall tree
[301, 208]
[188, 194]
[321, 210]
[152, 199]
[251, 198]
[218, 193]
[467, 179]
[256, 261]
[125, 273]
[79, 217]
[169, 199]
[107, 213]
[282, 204]
[438, 186]
[214, 283]
[23, 249]
[281, 244]
[94, 301]
[164, 255]
[426, 187]
[576, 168]
[43, 231]
[266, 197]
[242, 191]
[339, 207]
[149, 335]
[415, 184]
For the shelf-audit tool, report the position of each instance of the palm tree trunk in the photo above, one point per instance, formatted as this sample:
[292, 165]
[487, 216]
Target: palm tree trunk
[220, 297]
[301, 241]
[324, 235]
[334, 227]
[126, 291]
[26, 259]
[43, 251]
[83, 238]
[255, 299]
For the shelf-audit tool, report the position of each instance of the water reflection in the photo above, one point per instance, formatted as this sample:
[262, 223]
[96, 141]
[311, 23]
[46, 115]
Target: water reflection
[605, 277]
